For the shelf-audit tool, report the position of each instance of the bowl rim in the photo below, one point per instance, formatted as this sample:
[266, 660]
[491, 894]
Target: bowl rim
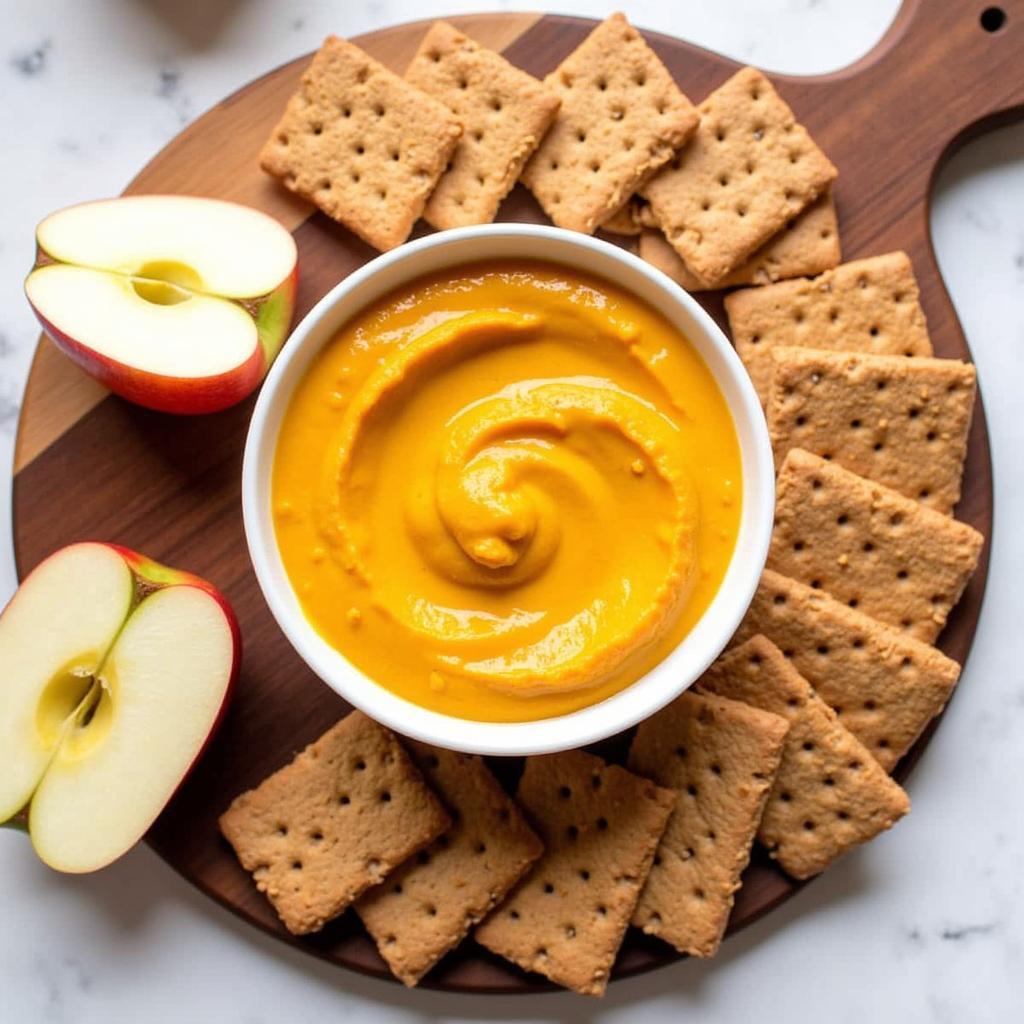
[660, 684]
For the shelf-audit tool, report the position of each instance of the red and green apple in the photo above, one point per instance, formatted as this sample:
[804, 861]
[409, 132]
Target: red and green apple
[178, 303]
[117, 671]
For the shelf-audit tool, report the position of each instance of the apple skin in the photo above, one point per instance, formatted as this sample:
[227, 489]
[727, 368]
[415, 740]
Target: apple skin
[149, 576]
[190, 396]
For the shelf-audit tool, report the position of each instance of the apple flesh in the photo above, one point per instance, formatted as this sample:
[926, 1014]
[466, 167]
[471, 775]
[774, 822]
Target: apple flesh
[177, 303]
[117, 671]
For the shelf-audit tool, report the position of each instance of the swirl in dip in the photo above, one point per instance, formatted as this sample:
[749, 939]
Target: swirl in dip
[507, 490]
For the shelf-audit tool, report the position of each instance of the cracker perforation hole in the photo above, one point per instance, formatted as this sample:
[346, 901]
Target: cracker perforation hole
[344, 799]
[602, 824]
[573, 833]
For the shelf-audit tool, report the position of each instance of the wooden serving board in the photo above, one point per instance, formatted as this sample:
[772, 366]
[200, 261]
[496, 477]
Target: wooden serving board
[90, 466]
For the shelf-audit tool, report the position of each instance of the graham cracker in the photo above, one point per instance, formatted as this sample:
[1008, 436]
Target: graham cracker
[808, 244]
[902, 422]
[830, 794]
[427, 905]
[625, 220]
[721, 758]
[504, 114]
[631, 219]
[868, 305]
[621, 119]
[600, 826]
[869, 545]
[336, 820]
[748, 171]
[361, 143]
[884, 686]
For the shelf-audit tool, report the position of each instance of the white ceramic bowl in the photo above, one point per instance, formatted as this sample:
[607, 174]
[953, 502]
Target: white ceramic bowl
[663, 682]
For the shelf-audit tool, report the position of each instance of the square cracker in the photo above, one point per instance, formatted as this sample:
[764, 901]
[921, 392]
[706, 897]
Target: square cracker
[884, 686]
[902, 422]
[621, 119]
[870, 546]
[721, 757]
[504, 113]
[362, 144]
[346, 811]
[808, 244]
[625, 220]
[748, 171]
[868, 305]
[600, 826]
[830, 794]
[428, 904]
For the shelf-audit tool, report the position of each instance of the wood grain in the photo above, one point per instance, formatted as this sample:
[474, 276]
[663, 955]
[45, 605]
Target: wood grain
[90, 465]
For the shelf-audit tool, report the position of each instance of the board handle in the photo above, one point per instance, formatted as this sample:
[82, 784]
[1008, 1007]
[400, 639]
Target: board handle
[945, 72]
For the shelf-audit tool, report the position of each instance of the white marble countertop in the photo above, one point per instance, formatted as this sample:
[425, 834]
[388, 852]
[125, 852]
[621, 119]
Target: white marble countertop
[926, 924]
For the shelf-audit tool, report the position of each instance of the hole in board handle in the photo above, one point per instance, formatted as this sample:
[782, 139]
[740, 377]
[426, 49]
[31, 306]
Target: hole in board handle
[993, 19]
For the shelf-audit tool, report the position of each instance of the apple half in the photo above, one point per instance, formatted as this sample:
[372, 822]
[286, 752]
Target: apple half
[117, 671]
[177, 303]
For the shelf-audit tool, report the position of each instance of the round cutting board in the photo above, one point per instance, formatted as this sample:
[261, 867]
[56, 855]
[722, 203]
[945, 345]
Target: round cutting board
[89, 465]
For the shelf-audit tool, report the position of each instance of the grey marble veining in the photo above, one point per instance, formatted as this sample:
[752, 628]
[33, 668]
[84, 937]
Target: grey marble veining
[925, 925]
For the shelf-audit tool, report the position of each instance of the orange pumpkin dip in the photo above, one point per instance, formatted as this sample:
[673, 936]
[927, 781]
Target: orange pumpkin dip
[507, 490]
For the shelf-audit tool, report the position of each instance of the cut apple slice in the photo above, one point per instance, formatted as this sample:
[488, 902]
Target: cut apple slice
[53, 636]
[178, 303]
[118, 671]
